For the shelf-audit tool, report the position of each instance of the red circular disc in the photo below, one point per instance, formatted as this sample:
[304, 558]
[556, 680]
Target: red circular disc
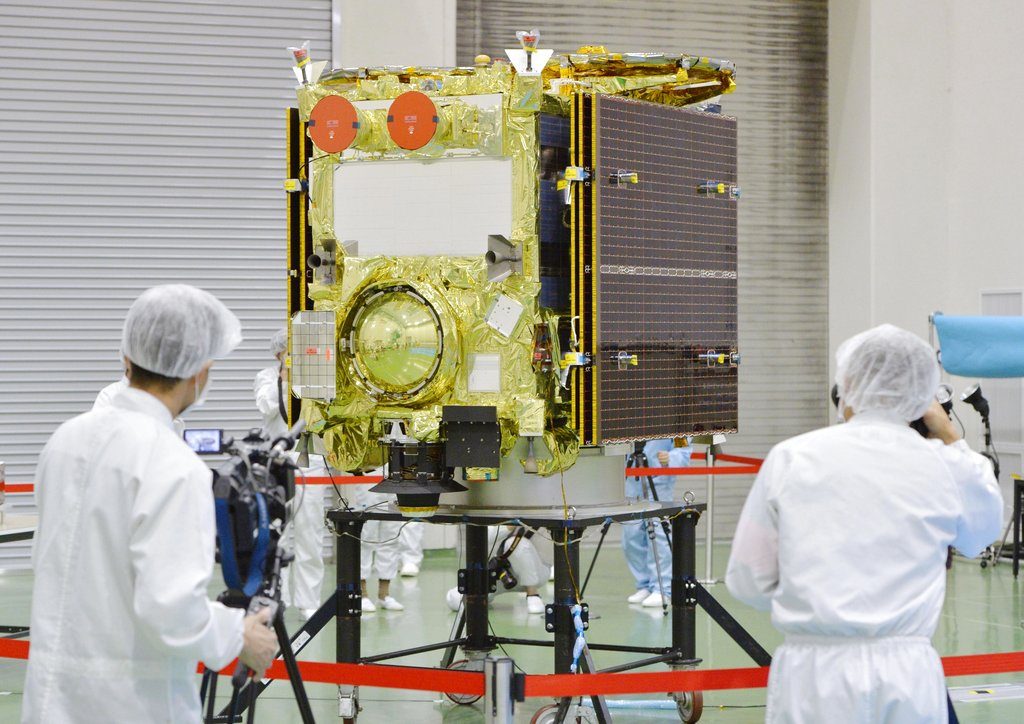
[333, 124]
[412, 120]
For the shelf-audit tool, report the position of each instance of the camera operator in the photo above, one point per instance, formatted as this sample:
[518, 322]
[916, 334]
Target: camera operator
[125, 546]
[844, 537]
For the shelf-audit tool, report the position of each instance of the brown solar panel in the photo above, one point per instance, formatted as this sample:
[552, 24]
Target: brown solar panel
[662, 261]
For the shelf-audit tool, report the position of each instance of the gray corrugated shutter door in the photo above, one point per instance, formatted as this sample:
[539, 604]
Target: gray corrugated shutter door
[780, 49]
[140, 143]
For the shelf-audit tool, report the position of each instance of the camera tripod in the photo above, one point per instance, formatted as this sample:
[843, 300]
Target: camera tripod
[638, 459]
[244, 689]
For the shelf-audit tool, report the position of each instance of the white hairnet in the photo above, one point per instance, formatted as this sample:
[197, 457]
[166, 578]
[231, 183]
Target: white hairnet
[175, 329]
[279, 342]
[887, 368]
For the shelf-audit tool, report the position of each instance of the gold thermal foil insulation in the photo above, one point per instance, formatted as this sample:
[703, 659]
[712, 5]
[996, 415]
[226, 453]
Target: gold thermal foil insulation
[457, 289]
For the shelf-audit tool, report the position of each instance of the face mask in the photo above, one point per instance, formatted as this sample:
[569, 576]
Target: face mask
[201, 395]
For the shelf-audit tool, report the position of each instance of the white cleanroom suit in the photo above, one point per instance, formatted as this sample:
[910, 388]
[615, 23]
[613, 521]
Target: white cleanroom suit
[410, 544]
[106, 396]
[528, 566]
[380, 550]
[530, 569]
[304, 576]
[302, 580]
[844, 536]
[123, 557]
[124, 551]
[265, 388]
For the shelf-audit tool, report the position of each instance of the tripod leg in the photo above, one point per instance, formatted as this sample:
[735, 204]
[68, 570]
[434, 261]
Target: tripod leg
[653, 538]
[203, 689]
[212, 694]
[290, 665]
[656, 499]
[593, 561]
[1002, 544]
[251, 719]
[654, 543]
[449, 653]
[233, 710]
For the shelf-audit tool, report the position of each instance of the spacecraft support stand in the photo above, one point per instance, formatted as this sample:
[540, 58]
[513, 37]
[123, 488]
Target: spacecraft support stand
[345, 606]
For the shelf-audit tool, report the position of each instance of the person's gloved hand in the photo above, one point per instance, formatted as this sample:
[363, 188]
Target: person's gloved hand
[939, 425]
[259, 644]
[663, 458]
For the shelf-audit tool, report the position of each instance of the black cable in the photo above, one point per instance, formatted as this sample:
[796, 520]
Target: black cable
[280, 393]
[963, 430]
[494, 633]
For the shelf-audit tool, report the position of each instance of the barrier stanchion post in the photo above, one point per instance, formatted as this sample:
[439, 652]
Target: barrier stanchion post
[714, 449]
[349, 611]
[500, 706]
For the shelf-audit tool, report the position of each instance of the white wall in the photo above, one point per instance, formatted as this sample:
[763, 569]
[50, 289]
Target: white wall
[394, 32]
[926, 163]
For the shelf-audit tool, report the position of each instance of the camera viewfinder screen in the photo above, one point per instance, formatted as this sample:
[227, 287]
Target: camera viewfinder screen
[205, 441]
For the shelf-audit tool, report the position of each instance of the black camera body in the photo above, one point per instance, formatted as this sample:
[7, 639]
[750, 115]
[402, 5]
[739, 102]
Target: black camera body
[944, 396]
[501, 568]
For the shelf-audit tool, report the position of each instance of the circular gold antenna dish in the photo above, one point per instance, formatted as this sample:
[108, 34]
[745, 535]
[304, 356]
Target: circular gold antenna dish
[396, 342]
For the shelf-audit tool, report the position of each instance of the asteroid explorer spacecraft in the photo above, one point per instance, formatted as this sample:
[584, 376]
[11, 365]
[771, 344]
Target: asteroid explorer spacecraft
[503, 276]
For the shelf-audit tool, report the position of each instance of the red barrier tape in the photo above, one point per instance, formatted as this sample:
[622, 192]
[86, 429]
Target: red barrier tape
[308, 480]
[411, 678]
[745, 466]
[339, 480]
[556, 685]
[716, 470]
[13, 649]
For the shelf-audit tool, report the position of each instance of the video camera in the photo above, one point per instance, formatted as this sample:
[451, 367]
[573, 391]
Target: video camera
[943, 395]
[251, 490]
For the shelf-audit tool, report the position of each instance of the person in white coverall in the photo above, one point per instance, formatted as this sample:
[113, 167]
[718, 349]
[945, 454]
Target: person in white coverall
[124, 551]
[529, 568]
[410, 546]
[105, 397]
[379, 549]
[302, 579]
[843, 538]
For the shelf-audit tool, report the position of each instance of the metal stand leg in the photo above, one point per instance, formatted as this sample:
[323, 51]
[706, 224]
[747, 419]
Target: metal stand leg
[567, 566]
[684, 568]
[476, 582]
[349, 611]
[567, 572]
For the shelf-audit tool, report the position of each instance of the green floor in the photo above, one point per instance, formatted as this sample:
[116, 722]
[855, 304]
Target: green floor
[983, 614]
